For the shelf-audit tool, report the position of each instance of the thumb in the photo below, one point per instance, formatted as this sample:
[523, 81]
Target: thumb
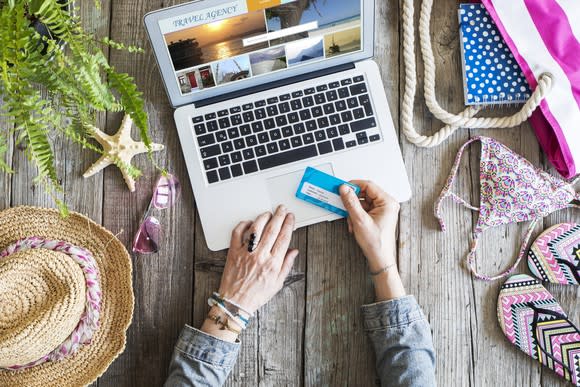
[352, 203]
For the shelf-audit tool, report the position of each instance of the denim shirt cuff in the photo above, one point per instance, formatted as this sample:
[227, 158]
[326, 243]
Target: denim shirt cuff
[394, 313]
[206, 348]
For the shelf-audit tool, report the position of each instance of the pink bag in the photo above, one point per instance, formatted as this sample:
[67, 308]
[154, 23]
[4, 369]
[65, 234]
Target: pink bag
[544, 36]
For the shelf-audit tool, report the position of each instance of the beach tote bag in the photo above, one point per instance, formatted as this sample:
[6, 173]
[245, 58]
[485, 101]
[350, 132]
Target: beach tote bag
[544, 37]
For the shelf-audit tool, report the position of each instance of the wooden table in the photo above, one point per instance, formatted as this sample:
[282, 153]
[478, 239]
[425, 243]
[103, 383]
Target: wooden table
[311, 333]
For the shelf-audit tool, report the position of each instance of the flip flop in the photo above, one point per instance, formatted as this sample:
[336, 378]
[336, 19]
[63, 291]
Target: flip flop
[534, 322]
[555, 256]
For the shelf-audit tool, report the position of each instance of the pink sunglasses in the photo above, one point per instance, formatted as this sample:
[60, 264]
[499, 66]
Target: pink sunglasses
[165, 195]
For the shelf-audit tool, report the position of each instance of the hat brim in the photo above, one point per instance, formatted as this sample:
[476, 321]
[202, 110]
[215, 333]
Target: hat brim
[115, 270]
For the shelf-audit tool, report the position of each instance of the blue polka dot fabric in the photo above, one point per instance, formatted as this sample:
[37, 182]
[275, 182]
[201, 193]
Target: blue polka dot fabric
[491, 74]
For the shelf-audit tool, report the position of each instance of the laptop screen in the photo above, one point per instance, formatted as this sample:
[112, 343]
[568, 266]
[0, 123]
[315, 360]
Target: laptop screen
[246, 39]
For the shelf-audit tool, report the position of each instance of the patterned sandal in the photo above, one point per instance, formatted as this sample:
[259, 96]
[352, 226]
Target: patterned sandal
[534, 322]
[555, 255]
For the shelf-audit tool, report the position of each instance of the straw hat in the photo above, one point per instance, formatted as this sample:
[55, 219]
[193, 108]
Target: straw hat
[43, 295]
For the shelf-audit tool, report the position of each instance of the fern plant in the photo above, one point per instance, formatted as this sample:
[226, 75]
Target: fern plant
[52, 84]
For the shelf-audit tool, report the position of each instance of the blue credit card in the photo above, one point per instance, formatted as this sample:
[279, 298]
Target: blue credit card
[321, 189]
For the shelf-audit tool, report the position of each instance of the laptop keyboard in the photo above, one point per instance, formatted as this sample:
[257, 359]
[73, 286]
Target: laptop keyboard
[299, 125]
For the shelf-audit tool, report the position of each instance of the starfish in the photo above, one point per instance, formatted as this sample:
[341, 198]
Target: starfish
[120, 146]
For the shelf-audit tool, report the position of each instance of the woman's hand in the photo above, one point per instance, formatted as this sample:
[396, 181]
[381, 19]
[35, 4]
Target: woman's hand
[373, 220]
[251, 279]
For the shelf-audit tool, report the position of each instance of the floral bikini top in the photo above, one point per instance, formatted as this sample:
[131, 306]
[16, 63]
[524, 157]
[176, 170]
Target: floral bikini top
[512, 191]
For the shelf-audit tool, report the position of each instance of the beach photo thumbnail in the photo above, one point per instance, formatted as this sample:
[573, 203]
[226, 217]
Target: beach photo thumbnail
[311, 16]
[231, 70]
[304, 51]
[215, 41]
[342, 42]
[264, 62]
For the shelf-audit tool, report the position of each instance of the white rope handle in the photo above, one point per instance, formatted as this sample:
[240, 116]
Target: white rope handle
[453, 121]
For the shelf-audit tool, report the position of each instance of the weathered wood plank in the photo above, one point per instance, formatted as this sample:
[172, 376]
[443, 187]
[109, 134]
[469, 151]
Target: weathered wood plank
[162, 282]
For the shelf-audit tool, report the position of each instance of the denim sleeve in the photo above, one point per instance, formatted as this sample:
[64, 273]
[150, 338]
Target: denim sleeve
[201, 360]
[401, 337]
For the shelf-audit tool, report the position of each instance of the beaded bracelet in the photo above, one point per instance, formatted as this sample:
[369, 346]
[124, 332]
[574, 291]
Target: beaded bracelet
[240, 320]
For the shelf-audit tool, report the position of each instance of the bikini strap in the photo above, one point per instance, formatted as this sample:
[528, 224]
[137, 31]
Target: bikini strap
[446, 192]
[471, 255]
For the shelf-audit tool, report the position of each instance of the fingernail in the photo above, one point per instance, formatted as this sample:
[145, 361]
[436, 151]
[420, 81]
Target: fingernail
[281, 208]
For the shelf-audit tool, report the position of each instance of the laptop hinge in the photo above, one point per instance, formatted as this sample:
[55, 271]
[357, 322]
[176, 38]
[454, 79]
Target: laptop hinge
[273, 85]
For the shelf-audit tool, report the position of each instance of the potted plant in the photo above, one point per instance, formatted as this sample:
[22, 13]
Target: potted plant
[43, 47]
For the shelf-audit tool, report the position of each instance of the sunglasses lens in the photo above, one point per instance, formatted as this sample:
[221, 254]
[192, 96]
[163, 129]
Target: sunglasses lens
[167, 192]
[147, 237]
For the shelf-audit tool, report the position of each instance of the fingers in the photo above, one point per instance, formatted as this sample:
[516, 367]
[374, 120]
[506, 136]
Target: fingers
[257, 227]
[284, 237]
[273, 228]
[289, 260]
[352, 204]
[349, 225]
[238, 234]
[371, 190]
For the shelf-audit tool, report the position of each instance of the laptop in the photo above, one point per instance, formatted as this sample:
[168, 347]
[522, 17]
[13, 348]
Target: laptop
[264, 89]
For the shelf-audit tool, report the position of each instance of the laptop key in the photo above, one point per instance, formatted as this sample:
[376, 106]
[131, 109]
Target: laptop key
[272, 110]
[320, 88]
[270, 123]
[224, 123]
[197, 119]
[225, 173]
[263, 138]
[236, 119]
[340, 106]
[331, 96]
[335, 119]
[310, 91]
[319, 99]
[233, 133]
[320, 135]
[333, 85]
[224, 160]
[287, 157]
[350, 144]
[296, 141]
[281, 121]
[331, 132]
[210, 151]
[221, 136]
[245, 130]
[358, 78]
[358, 113]
[237, 170]
[308, 138]
[345, 82]
[251, 140]
[236, 157]
[223, 113]
[206, 140]
[247, 106]
[284, 107]
[250, 166]
[358, 88]
[275, 134]
[296, 104]
[293, 117]
[284, 144]
[272, 100]
[374, 137]
[260, 103]
[343, 92]
[324, 147]
[323, 122]
[285, 97]
[361, 138]
[260, 113]
[210, 116]
[272, 147]
[328, 108]
[305, 115]
[311, 125]
[343, 129]
[227, 147]
[308, 101]
[260, 151]
[248, 154]
[338, 144]
[352, 102]
[287, 131]
[299, 128]
[212, 126]
[210, 163]
[199, 128]
[257, 126]
[212, 177]
[239, 143]
[368, 123]
[316, 111]
[346, 116]
[297, 94]
[248, 116]
[368, 109]
[235, 109]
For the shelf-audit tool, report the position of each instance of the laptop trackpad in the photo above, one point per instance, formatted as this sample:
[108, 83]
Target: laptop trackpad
[282, 190]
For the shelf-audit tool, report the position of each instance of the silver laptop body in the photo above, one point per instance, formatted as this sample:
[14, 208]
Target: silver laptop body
[264, 91]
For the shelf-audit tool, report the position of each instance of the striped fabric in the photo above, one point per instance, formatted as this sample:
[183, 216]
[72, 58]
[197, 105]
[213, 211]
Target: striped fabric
[544, 36]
